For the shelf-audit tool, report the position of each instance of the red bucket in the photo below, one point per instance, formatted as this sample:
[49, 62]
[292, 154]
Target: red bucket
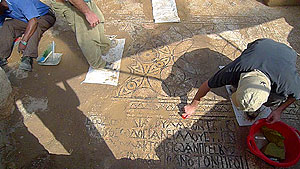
[291, 142]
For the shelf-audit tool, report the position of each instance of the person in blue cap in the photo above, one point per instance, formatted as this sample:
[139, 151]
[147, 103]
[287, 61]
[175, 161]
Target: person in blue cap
[27, 19]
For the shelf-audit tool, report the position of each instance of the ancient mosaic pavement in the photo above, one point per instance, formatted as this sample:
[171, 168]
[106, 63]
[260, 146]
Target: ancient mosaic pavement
[137, 124]
[162, 67]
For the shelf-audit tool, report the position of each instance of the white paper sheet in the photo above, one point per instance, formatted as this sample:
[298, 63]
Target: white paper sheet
[108, 76]
[165, 11]
[241, 117]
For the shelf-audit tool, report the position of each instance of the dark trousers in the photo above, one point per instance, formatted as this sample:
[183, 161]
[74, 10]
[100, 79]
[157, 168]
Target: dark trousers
[275, 100]
[14, 28]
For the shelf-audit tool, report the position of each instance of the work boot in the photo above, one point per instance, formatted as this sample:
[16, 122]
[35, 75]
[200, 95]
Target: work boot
[110, 66]
[3, 62]
[26, 63]
[253, 115]
[113, 43]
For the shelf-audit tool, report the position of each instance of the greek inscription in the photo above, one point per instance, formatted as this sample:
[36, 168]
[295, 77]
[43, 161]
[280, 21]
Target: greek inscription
[194, 143]
[206, 161]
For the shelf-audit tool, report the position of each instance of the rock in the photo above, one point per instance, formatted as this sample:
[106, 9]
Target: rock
[6, 101]
[282, 2]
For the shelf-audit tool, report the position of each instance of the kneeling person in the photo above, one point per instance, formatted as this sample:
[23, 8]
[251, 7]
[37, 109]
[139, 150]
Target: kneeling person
[87, 22]
[30, 18]
[264, 74]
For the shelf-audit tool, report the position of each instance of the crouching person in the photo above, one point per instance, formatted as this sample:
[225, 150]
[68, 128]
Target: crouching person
[30, 18]
[87, 22]
[264, 74]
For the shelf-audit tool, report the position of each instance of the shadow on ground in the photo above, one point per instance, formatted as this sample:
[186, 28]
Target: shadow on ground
[207, 143]
[190, 71]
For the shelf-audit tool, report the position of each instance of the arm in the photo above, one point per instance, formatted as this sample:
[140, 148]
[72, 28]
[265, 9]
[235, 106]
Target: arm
[275, 115]
[90, 16]
[190, 108]
[30, 29]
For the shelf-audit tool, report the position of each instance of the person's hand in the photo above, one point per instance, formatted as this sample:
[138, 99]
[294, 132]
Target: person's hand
[21, 47]
[92, 18]
[274, 116]
[189, 110]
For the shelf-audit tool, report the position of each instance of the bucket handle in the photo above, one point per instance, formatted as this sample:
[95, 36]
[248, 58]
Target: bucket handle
[297, 131]
[253, 145]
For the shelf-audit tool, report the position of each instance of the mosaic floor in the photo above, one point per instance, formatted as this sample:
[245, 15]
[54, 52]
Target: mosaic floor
[137, 124]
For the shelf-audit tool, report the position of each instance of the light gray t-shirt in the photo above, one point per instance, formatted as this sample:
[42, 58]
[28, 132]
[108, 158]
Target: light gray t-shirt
[276, 60]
